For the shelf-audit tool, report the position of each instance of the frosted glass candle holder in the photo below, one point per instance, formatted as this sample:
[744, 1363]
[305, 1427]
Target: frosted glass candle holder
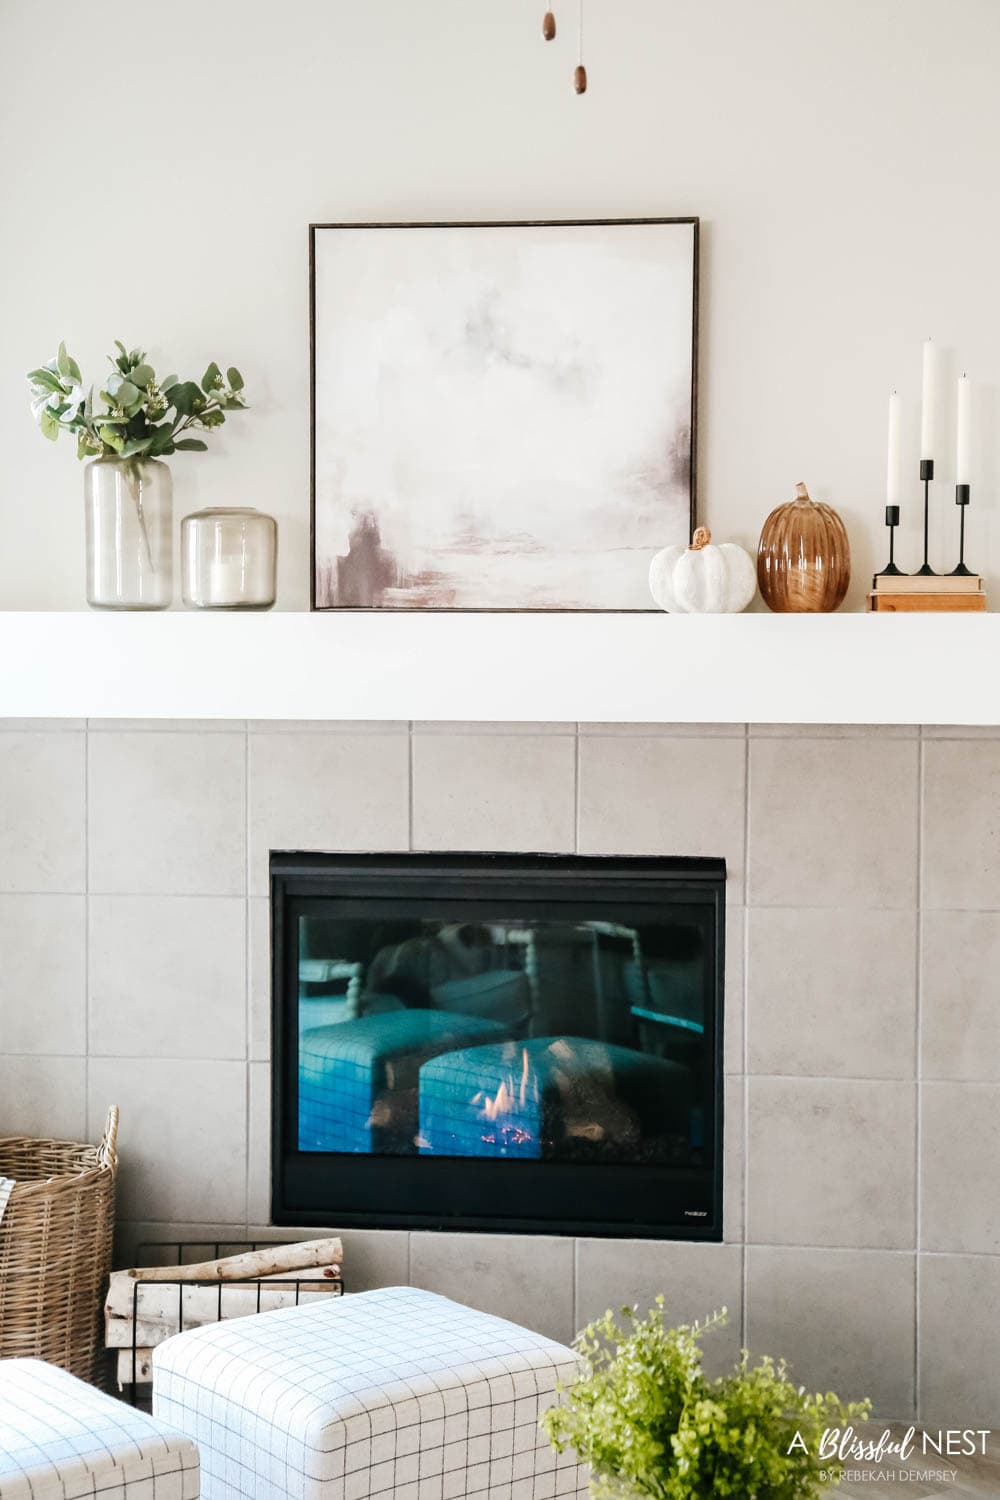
[229, 559]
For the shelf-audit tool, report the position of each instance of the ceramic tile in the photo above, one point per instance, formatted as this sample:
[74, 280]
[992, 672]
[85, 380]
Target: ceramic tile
[493, 792]
[959, 1316]
[42, 834]
[831, 1163]
[681, 731]
[843, 1319]
[167, 813]
[182, 1139]
[960, 1166]
[961, 838]
[528, 1278]
[832, 992]
[664, 795]
[695, 1280]
[167, 976]
[734, 1003]
[44, 1096]
[835, 731]
[833, 822]
[43, 985]
[326, 792]
[733, 1160]
[259, 978]
[329, 726]
[960, 1025]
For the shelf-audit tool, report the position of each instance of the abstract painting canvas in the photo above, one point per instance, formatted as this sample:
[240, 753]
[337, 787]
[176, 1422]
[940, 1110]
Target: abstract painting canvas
[503, 414]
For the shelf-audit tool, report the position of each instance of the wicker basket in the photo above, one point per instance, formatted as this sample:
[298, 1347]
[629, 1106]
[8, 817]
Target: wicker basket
[55, 1249]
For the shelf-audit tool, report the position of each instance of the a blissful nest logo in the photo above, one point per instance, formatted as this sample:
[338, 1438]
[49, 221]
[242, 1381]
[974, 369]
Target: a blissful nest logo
[886, 1459]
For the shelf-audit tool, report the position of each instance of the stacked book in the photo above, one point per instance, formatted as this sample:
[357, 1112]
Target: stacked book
[902, 592]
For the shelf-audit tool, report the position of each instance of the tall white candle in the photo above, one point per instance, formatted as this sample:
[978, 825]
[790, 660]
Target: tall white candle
[963, 439]
[894, 471]
[928, 410]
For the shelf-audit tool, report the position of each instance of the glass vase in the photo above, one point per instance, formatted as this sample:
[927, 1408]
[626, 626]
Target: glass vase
[129, 504]
[228, 558]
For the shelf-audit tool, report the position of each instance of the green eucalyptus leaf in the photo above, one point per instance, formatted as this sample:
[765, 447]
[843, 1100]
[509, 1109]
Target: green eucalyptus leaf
[121, 348]
[185, 398]
[45, 379]
[127, 393]
[74, 371]
[142, 375]
[212, 378]
[161, 439]
[64, 362]
[136, 445]
[166, 384]
[49, 424]
[235, 378]
[191, 445]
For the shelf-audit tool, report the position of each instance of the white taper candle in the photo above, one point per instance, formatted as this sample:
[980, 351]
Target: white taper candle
[963, 438]
[928, 410]
[894, 470]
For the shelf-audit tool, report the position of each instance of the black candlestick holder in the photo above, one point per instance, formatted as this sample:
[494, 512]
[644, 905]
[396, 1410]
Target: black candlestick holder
[892, 521]
[962, 501]
[926, 475]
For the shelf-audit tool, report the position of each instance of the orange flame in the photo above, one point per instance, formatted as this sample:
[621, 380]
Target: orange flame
[510, 1094]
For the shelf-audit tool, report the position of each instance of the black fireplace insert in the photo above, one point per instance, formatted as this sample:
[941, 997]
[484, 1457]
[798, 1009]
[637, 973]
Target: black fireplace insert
[525, 1043]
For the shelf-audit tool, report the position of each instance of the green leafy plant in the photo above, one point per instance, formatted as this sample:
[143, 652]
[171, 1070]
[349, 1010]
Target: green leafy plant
[143, 417]
[648, 1421]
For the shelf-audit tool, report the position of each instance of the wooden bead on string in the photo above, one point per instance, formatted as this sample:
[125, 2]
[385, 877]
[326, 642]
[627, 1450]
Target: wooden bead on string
[549, 26]
[580, 72]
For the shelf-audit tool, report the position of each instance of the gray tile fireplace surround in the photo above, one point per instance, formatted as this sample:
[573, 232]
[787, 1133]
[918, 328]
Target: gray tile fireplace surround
[862, 1186]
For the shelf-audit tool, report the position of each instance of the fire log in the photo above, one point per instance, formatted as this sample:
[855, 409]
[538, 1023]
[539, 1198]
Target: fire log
[272, 1260]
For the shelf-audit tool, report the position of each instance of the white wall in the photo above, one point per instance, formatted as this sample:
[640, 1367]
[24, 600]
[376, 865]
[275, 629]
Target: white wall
[159, 173]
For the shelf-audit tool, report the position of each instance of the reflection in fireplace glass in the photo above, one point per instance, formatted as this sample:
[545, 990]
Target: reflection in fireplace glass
[557, 1040]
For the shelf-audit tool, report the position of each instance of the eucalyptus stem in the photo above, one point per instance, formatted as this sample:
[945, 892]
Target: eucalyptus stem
[132, 474]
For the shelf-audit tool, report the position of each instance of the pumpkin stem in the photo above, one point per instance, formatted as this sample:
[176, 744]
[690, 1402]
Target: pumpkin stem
[801, 493]
[701, 538]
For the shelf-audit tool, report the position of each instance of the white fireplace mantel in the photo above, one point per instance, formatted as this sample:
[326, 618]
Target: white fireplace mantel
[645, 668]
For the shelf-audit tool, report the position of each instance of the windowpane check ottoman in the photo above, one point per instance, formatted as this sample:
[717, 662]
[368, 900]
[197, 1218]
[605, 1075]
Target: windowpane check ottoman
[62, 1440]
[398, 1394]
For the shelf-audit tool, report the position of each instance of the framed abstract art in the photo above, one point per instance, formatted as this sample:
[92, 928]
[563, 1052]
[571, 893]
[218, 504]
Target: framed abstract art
[503, 414]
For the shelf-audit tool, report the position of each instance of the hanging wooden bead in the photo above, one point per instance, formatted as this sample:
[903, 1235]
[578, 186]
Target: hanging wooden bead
[580, 75]
[549, 26]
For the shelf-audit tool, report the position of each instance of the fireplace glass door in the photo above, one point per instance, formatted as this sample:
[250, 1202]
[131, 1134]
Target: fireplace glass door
[491, 1042]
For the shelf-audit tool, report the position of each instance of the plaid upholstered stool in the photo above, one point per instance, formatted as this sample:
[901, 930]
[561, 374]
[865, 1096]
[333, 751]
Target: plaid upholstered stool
[60, 1439]
[398, 1393]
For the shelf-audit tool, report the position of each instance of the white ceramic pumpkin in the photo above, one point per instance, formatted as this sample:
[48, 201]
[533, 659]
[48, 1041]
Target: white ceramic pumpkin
[703, 579]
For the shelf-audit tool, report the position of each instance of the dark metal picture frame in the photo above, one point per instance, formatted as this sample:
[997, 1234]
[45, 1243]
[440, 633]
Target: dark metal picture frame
[528, 224]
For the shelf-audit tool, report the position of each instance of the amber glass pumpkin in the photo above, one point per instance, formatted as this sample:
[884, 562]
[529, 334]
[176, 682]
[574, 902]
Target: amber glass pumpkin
[804, 557]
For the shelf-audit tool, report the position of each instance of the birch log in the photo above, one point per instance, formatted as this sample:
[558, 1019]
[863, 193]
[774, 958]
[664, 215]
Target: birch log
[135, 1372]
[270, 1261]
[157, 1303]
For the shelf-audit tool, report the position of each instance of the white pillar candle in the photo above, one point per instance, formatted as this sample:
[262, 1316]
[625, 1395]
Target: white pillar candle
[928, 410]
[963, 440]
[225, 582]
[894, 471]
